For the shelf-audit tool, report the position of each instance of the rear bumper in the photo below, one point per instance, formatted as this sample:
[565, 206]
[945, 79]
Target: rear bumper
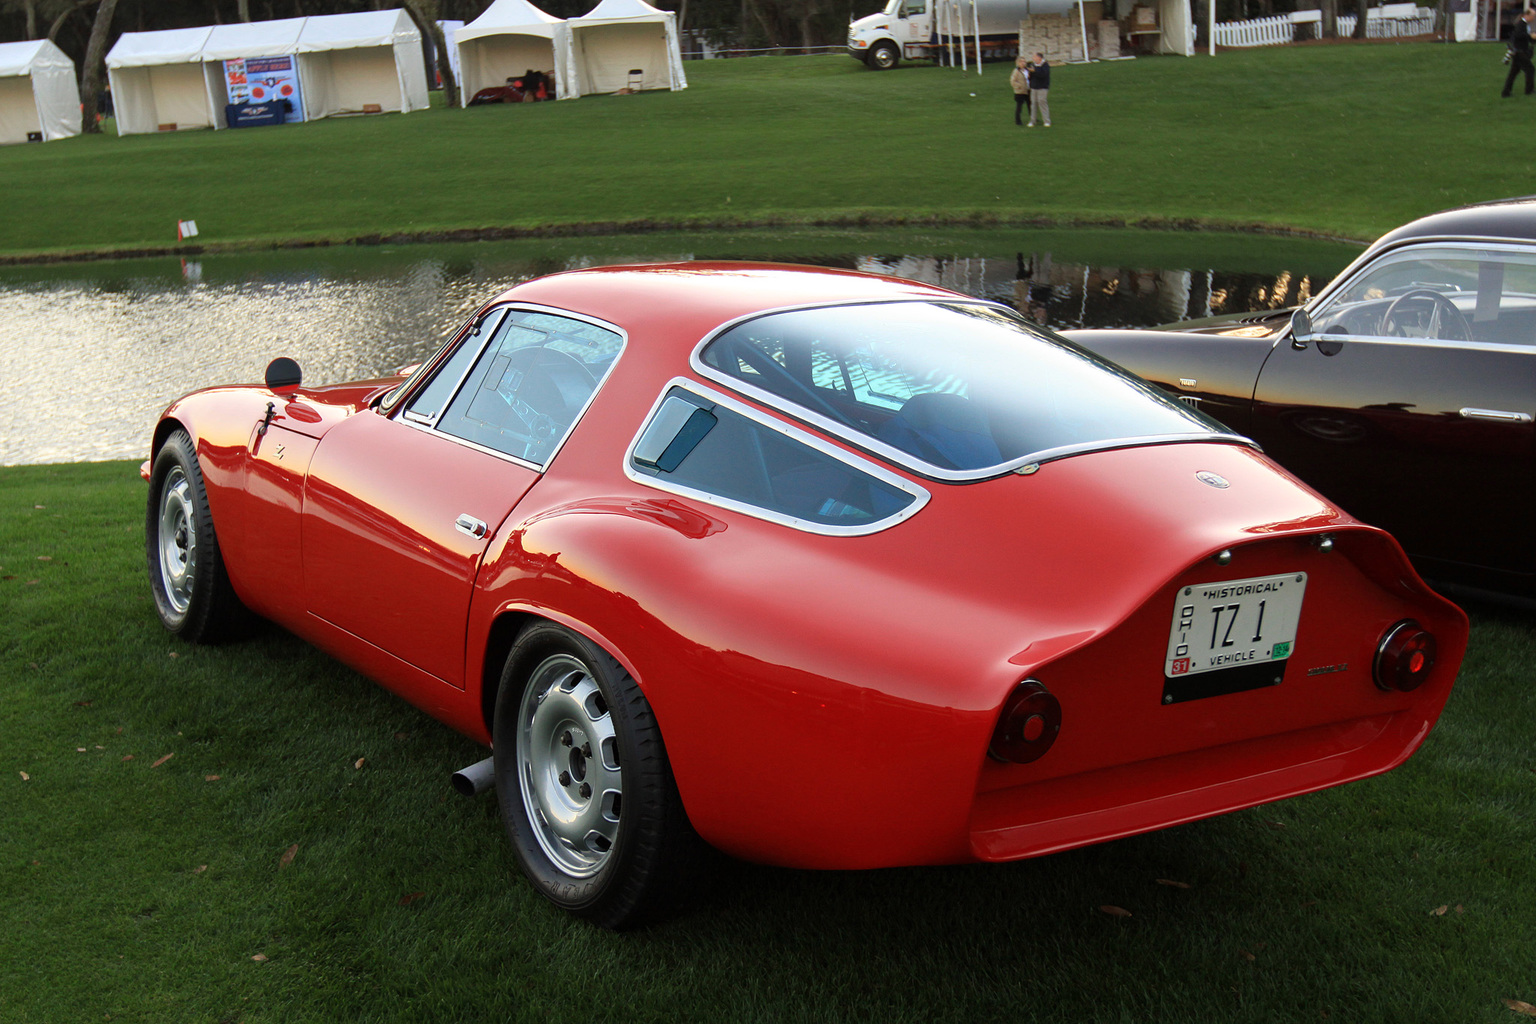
[1046, 817]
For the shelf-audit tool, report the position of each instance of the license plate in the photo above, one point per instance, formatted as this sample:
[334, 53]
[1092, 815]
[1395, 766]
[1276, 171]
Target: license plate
[1245, 629]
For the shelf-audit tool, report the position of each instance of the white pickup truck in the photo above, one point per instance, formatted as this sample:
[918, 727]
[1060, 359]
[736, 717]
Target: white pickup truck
[915, 29]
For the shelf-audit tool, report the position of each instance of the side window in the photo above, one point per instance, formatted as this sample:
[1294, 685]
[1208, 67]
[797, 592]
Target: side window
[526, 387]
[1438, 292]
[708, 448]
[429, 401]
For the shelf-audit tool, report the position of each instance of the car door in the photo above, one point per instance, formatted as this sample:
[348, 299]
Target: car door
[1412, 402]
[400, 505]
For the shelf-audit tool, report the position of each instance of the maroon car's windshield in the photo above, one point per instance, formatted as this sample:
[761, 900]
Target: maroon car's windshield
[963, 391]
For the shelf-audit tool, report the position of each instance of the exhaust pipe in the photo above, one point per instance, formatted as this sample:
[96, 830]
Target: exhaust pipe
[475, 779]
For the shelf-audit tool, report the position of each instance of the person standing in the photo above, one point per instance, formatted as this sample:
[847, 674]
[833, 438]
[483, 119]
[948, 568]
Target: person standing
[1040, 84]
[1520, 53]
[1020, 82]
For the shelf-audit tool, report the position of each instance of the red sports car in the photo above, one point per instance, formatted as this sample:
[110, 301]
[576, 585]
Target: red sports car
[828, 570]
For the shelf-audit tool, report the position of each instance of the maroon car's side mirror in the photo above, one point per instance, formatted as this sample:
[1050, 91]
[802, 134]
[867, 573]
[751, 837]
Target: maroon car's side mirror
[283, 374]
[1301, 329]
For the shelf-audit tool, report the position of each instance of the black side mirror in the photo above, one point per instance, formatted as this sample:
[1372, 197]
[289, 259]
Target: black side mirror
[283, 374]
[1301, 329]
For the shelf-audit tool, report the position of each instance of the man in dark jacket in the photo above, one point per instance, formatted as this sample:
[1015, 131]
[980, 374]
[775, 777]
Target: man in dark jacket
[1040, 84]
[1520, 53]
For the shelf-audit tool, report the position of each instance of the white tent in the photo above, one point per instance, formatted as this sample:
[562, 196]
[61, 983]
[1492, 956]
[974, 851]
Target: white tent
[512, 37]
[1178, 24]
[38, 94]
[158, 78]
[350, 62]
[603, 47]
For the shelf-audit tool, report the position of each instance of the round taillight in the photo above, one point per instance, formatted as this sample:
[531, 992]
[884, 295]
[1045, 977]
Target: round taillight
[1404, 657]
[1029, 724]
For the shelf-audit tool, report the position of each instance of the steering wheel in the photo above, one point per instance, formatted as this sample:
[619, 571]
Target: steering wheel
[1458, 329]
[547, 389]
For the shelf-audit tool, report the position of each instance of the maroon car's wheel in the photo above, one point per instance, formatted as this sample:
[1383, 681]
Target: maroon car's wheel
[186, 572]
[589, 802]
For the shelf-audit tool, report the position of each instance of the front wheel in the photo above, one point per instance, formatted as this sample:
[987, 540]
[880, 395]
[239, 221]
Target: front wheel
[192, 592]
[883, 56]
[587, 795]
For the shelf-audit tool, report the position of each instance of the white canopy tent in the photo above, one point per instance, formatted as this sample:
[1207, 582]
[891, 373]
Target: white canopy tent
[345, 63]
[600, 49]
[349, 62]
[511, 38]
[159, 78]
[1177, 22]
[38, 93]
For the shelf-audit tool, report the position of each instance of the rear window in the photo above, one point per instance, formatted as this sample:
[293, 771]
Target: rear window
[952, 390]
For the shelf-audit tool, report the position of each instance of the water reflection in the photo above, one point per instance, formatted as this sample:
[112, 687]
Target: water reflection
[94, 352]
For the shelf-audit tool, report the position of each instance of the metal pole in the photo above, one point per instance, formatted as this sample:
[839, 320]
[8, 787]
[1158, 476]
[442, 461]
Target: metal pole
[960, 25]
[1082, 20]
[976, 28]
[1212, 33]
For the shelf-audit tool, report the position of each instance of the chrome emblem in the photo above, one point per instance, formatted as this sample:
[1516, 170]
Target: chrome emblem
[1216, 480]
[1188, 382]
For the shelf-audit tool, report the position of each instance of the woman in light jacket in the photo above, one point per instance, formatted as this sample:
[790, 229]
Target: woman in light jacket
[1020, 82]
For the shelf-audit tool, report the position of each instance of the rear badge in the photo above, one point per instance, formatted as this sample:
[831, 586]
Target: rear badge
[1216, 480]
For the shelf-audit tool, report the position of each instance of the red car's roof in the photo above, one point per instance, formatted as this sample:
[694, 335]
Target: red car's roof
[688, 300]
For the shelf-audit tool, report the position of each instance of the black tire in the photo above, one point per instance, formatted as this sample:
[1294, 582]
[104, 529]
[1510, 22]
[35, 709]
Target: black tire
[617, 853]
[193, 596]
[883, 56]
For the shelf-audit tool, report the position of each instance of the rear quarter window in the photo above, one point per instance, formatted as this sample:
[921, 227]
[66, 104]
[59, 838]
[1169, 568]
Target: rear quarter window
[705, 445]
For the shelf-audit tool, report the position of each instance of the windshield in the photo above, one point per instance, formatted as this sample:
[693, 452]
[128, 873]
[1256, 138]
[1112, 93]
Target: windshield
[953, 390]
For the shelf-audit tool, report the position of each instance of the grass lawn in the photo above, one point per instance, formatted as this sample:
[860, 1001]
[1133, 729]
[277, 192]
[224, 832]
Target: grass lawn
[253, 833]
[151, 792]
[1340, 140]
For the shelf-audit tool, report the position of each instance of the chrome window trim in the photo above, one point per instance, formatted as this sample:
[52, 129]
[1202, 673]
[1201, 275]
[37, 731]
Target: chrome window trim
[919, 493]
[398, 396]
[423, 423]
[907, 460]
[1450, 343]
[469, 367]
[1369, 259]
[473, 446]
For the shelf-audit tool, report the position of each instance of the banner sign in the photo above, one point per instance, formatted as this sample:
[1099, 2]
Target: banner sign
[264, 80]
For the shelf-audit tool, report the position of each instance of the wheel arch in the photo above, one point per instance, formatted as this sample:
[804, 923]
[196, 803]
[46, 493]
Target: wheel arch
[508, 625]
[167, 426]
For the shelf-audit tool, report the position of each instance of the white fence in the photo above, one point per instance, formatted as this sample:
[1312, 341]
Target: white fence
[1385, 22]
[1276, 31]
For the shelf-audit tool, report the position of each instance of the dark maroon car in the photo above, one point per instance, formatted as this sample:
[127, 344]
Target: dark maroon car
[1404, 390]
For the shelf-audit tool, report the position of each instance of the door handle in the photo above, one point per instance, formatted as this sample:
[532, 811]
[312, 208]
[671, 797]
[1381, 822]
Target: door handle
[469, 525]
[1495, 415]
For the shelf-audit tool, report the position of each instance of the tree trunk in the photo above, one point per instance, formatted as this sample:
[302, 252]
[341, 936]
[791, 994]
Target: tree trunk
[1329, 29]
[31, 6]
[243, 8]
[1361, 8]
[62, 17]
[424, 14]
[94, 69]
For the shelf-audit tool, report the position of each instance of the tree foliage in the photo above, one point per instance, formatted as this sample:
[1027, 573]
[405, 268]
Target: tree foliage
[788, 24]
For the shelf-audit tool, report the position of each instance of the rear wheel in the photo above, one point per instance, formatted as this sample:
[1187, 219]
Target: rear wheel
[193, 596]
[883, 56]
[586, 793]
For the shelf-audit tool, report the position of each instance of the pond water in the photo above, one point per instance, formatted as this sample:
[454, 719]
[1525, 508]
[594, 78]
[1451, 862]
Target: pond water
[93, 352]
